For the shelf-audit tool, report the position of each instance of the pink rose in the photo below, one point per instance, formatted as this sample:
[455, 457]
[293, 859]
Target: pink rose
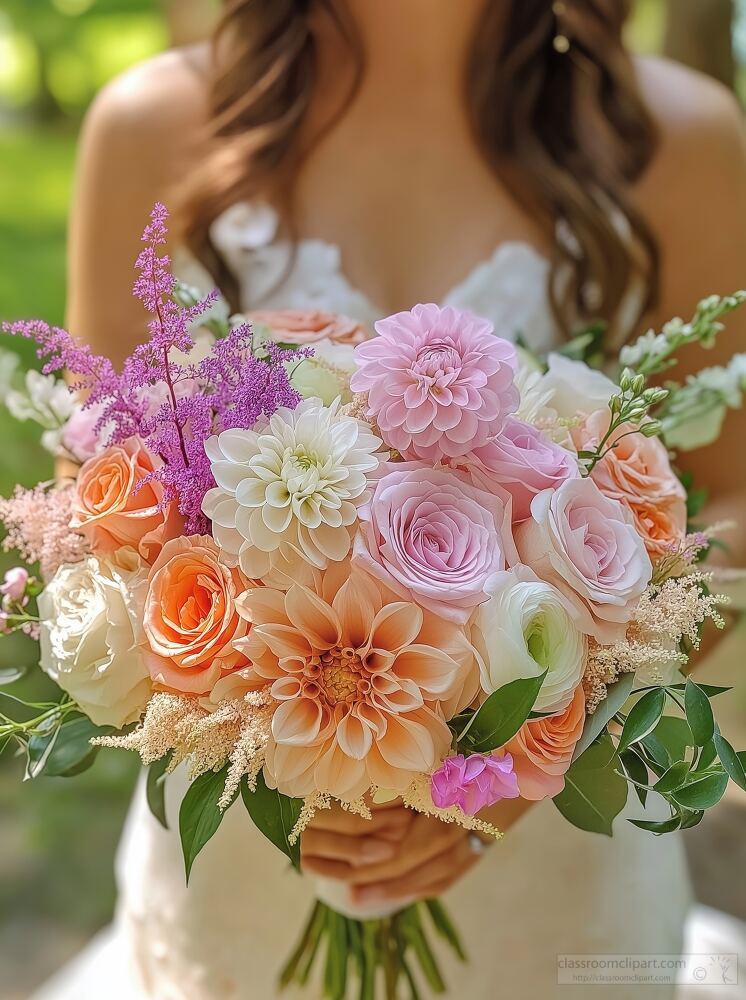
[79, 436]
[522, 461]
[432, 538]
[439, 382]
[587, 546]
[309, 326]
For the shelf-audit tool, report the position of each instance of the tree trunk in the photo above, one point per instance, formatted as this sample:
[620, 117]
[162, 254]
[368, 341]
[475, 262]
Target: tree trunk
[699, 33]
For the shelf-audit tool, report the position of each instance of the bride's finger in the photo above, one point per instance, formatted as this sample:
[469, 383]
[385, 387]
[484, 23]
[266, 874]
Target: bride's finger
[336, 820]
[428, 839]
[355, 851]
[429, 879]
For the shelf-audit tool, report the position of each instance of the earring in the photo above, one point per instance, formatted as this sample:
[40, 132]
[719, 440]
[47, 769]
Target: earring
[560, 42]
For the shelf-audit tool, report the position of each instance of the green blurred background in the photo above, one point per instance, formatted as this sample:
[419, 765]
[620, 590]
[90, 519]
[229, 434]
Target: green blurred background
[57, 838]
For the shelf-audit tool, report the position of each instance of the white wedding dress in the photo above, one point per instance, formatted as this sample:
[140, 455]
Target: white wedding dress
[545, 889]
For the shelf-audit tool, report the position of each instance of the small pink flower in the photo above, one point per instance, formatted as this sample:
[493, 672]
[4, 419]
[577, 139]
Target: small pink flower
[473, 783]
[14, 587]
[439, 382]
[522, 461]
[80, 436]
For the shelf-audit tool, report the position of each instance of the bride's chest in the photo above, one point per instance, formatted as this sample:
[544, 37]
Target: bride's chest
[412, 209]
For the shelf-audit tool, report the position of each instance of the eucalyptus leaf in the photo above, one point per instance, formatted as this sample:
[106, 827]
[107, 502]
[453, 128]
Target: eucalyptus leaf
[274, 814]
[155, 789]
[698, 713]
[616, 696]
[703, 792]
[594, 792]
[502, 714]
[731, 761]
[9, 675]
[643, 717]
[711, 690]
[707, 756]
[199, 815]
[658, 826]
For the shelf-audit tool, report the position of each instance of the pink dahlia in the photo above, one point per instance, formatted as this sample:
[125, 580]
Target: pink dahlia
[439, 381]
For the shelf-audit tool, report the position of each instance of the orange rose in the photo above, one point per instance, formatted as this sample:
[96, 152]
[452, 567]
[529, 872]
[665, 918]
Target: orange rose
[191, 623]
[542, 749]
[296, 326]
[638, 473]
[112, 513]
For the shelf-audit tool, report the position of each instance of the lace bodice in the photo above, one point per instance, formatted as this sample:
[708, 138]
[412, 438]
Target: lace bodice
[509, 288]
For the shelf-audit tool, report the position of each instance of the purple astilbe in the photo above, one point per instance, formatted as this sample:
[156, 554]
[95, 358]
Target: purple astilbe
[174, 406]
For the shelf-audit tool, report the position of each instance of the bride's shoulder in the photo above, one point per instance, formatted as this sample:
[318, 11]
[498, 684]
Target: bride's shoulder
[700, 123]
[154, 110]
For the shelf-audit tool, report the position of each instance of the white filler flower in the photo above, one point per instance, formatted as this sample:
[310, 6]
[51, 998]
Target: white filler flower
[91, 635]
[287, 495]
[525, 629]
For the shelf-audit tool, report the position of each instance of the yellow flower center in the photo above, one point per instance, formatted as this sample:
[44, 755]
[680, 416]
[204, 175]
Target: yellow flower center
[336, 677]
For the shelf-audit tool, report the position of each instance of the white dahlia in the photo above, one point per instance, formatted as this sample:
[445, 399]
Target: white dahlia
[287, 494]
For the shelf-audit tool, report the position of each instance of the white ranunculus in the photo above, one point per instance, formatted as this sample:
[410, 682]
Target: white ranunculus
[576, 388]
[287, 494]
[325, 375]
[91, 632]
[524, 629]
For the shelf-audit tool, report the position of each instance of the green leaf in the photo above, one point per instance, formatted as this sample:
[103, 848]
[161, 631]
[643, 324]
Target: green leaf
[615, 698]
[674, 777]
[731, 761]
[711, 690]
[199, 815]
[155, 788]
[669, 741]
[706, 757]
[643, 717]
[274, 814]
[64, 750]
[658, 826]
[9, 675]
[698, 713]
[638, 772]
[702, 793]
[503, 714]
[690, 819]
[594, 792]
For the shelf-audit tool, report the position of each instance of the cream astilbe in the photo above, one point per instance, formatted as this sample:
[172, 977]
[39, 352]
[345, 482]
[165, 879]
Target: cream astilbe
[322, 800]
[236, 733]
[667, 615]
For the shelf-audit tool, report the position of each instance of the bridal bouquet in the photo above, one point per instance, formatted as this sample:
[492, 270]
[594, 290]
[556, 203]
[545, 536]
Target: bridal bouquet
[315, 567]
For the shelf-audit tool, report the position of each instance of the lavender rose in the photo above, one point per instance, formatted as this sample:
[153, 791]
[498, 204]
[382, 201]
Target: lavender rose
[586, 545]
[432, 537]
[522, 461]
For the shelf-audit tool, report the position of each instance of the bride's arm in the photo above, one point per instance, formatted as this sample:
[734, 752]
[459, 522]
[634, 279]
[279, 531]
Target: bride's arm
[136, 144]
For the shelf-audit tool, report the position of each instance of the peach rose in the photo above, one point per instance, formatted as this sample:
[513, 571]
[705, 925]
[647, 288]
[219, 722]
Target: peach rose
[191, 623]
[638, 473]
[303, 327]
[542, 749]
[111, 513]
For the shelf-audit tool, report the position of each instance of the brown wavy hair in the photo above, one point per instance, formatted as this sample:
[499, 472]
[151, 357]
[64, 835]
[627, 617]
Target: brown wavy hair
[568, 133]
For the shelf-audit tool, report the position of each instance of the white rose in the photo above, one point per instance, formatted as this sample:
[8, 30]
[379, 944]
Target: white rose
[575, 387]
[327, 374]
[90, 637]
[524, 629]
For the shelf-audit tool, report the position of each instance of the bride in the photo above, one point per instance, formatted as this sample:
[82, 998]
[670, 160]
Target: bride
[361, 156]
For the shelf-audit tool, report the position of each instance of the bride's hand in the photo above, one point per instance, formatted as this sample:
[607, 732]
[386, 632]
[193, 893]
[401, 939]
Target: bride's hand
[337, 843]
[423, 856]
